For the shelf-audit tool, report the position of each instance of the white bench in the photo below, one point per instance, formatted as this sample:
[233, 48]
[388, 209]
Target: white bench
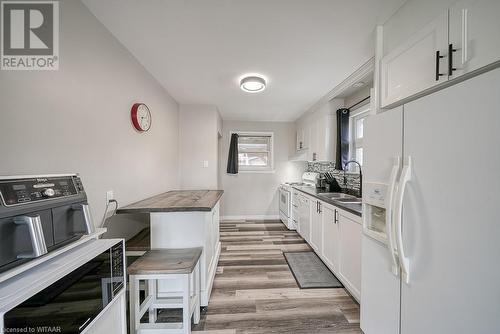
[158, 264]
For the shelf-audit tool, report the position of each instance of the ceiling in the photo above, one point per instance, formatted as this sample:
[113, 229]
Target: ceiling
[198, 49]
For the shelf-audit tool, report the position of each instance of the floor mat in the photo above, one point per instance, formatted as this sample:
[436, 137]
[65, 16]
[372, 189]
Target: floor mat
[310, 272]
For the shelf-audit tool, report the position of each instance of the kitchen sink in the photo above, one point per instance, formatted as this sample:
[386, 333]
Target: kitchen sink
[338, 196]
[349, 200]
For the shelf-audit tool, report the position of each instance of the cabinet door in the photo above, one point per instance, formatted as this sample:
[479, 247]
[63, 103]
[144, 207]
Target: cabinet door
[413, 66]
[316, 228]
[299, 142]
[304, 218]
[305, 137]
[313, 141]
[331, 239]
[350, 252]
[317, 145]
[474, 28]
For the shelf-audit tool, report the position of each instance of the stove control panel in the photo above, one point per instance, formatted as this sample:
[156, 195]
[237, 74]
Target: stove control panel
[28, 190]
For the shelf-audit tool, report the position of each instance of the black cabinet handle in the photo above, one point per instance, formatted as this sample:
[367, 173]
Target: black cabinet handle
[336, 219]
[450, 59]
[438, 57]
[319, 207]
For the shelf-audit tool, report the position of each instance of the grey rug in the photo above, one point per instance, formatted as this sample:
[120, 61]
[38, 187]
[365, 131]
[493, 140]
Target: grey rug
[310, 272]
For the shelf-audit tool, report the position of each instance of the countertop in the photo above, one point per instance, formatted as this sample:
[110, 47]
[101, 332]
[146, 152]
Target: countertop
[354, 208]
[176, 201]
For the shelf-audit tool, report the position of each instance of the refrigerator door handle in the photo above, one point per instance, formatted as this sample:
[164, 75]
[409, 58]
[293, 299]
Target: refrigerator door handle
[389, 223]
[404, 261]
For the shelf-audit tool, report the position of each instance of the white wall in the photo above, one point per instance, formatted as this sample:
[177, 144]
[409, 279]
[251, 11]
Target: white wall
[77, 119]
[199, 126]
[256, 194]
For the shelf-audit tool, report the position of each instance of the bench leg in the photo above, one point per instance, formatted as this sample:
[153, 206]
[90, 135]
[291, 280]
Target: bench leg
[152, 292]
[186, 310]
[197, 279]
[133, 303]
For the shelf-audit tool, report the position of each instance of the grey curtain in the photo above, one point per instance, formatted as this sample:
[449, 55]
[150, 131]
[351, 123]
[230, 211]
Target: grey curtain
[232, 160]
[342, 155]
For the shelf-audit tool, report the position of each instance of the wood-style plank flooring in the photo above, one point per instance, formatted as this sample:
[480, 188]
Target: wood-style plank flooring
[254, 290]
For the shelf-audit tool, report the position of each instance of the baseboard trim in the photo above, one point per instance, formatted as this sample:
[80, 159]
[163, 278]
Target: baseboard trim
[249, 217]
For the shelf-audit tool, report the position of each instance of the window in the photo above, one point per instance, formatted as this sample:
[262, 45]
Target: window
[356, 141]
[255, 151]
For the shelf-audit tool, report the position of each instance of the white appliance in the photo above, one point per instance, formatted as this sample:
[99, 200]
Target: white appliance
[288, 204]
[430, 246]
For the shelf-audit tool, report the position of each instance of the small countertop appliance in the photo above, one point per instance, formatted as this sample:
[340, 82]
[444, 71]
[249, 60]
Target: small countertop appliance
[39, 214]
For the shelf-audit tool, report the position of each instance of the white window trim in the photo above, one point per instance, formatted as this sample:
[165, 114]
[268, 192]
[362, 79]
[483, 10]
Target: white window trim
[360, 112]
[270, 168]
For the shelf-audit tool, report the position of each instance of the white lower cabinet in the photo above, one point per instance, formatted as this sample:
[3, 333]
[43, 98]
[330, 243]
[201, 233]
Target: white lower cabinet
[350, 252]
[331, 238]
[335, 236]
[304, 217]
[316, 226]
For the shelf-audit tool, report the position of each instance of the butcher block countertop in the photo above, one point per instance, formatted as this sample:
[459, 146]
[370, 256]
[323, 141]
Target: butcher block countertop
[176, 201]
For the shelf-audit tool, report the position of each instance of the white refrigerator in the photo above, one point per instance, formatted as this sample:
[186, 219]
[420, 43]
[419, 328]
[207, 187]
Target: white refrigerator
[431, 241]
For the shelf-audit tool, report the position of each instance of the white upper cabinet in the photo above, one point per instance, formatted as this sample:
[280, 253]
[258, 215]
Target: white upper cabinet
[315, 138]
[468, 31]
[474, 35]
[416, 65]
[302, 137]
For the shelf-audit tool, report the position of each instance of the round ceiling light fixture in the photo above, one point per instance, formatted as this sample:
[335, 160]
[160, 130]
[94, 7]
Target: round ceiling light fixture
[253, 84]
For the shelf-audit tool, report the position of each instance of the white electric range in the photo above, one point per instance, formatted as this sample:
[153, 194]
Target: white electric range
[288, 205]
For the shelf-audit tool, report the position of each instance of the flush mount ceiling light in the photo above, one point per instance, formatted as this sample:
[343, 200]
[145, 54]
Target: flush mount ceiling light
[253, 84]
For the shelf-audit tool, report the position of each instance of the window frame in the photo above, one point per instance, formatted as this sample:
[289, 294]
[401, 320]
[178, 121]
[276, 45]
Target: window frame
[361, 112]
[257, 169]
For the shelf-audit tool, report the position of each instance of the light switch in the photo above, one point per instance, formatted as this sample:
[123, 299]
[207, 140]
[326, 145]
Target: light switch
[205, 163]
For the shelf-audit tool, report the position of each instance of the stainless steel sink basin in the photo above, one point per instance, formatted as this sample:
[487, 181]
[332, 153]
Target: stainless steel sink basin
[337, 196]
[349, 200]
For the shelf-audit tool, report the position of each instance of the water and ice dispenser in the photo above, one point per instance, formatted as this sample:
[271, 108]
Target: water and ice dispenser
[374, 210]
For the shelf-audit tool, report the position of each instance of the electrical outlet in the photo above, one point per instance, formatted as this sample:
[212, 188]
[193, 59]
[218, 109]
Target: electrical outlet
[110, 195]
[205, 163]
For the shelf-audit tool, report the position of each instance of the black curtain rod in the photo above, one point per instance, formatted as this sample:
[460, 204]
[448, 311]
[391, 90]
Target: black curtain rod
[355, 104]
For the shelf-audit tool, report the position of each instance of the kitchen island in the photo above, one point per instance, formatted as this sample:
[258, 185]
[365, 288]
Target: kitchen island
[183, 219]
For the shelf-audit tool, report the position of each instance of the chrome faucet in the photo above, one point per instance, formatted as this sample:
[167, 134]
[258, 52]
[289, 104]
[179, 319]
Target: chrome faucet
[360, 176]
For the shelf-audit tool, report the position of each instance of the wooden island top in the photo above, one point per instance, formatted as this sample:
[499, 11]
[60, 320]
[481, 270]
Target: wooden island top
[176, 201]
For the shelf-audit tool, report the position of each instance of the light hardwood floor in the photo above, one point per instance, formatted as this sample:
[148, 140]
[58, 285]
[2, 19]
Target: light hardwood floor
[254, 290]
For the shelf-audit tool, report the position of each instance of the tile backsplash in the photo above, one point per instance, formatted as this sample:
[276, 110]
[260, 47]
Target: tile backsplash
[329, 166]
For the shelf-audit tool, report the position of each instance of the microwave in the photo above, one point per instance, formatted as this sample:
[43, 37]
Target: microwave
[70, 304]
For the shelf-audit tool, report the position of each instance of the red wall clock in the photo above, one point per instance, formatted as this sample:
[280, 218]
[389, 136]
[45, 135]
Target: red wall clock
[141, 117]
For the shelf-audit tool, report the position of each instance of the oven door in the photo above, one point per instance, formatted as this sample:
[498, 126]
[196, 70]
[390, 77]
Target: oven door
[68, 305]
[285, 202]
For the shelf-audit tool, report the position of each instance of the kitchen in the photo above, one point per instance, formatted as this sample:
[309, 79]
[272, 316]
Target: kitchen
[249, 167]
